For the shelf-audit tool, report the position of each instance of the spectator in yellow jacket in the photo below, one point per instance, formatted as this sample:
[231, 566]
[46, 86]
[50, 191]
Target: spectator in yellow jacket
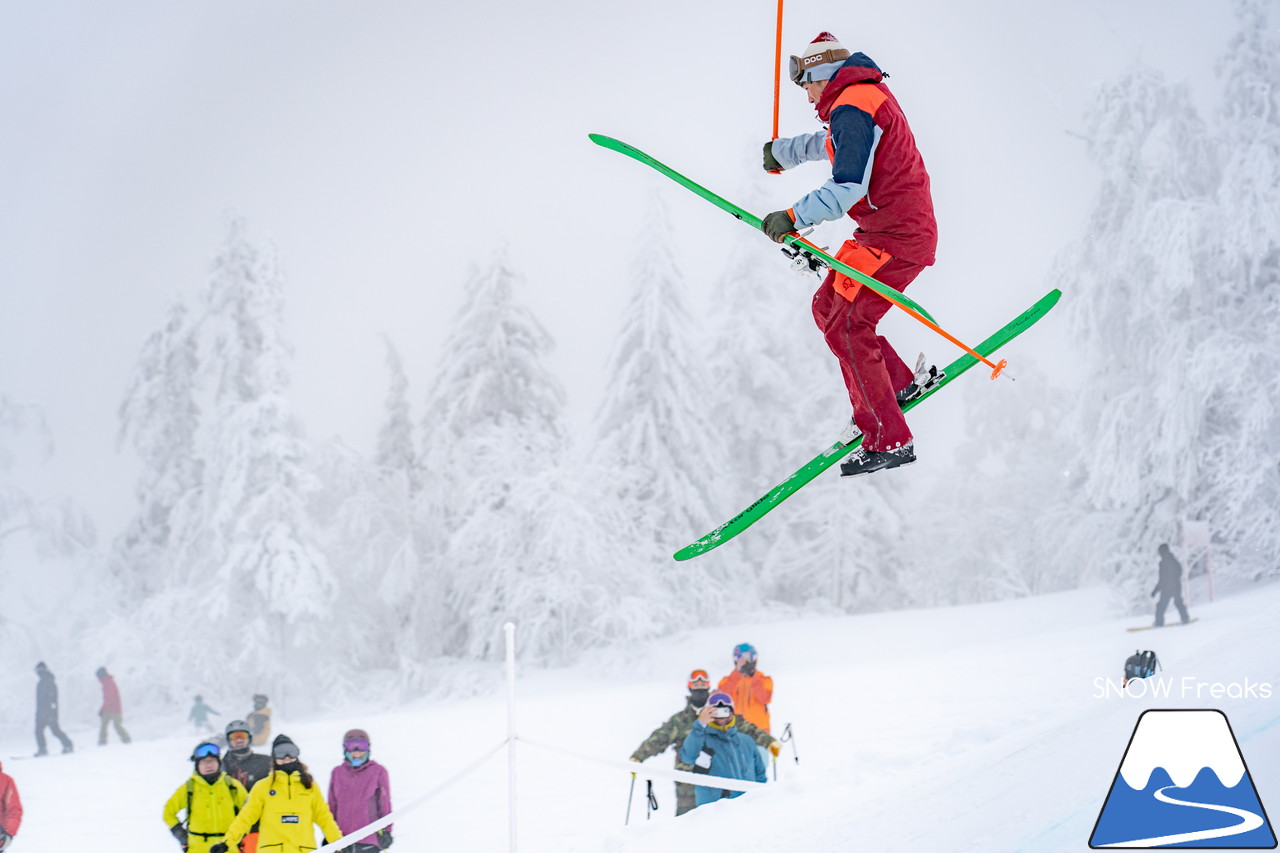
[752, 690]
[211, 799]
[287, 806]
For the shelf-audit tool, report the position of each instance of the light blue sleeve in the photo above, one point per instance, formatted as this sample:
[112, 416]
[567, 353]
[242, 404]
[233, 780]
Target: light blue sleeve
[800, 149]
[827, 203]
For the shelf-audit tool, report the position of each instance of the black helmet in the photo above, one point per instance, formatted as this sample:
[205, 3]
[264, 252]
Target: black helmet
[206, 749]
[237, 726]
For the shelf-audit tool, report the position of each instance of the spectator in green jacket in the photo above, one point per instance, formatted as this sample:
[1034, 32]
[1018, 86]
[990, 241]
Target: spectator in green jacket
[672, 733]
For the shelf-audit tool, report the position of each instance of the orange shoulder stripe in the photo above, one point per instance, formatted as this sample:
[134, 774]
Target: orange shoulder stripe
[864, 96]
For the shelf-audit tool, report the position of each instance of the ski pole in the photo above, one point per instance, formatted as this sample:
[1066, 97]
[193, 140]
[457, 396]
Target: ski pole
[775, 768]
[651, 801]
[630, 795]
[996, 368]
[777, 74]
[788, 735]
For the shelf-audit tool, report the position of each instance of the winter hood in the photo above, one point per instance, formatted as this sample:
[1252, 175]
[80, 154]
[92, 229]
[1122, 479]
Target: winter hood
[858, 68]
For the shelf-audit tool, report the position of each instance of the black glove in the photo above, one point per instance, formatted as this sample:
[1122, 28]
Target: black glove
[222, 848]
[384, 838]
[771, 163]
[179, 832]
[777, 225]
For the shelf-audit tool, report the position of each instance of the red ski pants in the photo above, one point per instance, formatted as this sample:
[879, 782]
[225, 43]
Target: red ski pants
[873, 372]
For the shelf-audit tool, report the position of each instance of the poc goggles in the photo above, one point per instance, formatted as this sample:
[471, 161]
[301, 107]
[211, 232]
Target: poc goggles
[799, 65]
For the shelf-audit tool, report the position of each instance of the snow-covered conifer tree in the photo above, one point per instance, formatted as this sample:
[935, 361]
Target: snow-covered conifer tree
[271, 581]
[654, 430]
[495, 455]
[160, 419]
[1170, 298]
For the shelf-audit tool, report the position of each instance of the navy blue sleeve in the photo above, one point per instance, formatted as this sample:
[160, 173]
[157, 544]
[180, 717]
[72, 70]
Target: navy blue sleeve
[854, 134]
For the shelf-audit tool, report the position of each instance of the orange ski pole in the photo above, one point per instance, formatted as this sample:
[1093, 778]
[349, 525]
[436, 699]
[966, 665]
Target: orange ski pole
[996, 368]
[777, 74]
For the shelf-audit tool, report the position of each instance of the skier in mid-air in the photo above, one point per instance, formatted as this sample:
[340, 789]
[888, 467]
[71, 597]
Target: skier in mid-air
[878, 178]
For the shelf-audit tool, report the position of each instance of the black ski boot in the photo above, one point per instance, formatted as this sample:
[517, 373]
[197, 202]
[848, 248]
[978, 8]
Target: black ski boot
[863, 461]
[921, 383]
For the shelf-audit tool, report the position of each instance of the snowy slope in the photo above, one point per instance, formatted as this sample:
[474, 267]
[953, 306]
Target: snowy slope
[966, 728]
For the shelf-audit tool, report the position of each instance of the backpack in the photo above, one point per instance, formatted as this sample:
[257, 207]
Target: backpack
[1141, 665]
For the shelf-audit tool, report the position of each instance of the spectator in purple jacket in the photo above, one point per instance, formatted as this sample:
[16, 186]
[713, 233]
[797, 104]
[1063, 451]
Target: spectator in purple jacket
[360, 793]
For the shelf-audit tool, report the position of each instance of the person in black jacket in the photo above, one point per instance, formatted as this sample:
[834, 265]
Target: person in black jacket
[245, 766]
[47, 711]
[1169, 586]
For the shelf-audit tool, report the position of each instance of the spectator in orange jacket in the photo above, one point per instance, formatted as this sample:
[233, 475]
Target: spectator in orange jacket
[10, 810]
[752, 691]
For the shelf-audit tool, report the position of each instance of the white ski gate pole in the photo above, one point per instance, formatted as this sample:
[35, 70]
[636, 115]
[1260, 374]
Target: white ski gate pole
[510, 630]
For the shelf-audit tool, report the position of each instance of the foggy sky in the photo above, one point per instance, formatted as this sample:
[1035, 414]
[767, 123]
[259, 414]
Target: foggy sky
[384, 147]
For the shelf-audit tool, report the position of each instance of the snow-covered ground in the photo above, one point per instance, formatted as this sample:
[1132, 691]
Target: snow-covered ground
[965, 728]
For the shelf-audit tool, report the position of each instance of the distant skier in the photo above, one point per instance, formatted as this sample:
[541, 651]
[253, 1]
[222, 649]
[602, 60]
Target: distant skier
[715, 747]
[878, 179]
[752, 690]
[210, 798]
[10, 810]
[200, 712]
[673, 732]
[47, 711]
[360, 793]
[1169, 586]
[112, 710]
[260, 720]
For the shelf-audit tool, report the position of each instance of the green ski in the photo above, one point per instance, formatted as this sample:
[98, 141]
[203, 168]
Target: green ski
[837, 451]
[755, 222]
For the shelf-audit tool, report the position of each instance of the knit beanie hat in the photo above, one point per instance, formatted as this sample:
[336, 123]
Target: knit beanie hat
[820, 60]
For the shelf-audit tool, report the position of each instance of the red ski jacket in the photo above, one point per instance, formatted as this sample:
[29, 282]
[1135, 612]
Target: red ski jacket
[866, 123]
[10, 804]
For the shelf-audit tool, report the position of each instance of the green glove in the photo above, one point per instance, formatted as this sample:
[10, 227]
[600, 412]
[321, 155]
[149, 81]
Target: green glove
[778, 225]
[771, 163]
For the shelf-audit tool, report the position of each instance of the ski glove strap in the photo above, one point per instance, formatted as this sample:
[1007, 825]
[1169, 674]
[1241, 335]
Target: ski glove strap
[778, 225]
[771, 163]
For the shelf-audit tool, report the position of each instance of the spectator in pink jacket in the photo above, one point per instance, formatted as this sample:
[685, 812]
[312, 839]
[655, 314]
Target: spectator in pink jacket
[360, 793]
[111, 711]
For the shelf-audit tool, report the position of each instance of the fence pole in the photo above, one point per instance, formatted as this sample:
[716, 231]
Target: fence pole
[510, 630]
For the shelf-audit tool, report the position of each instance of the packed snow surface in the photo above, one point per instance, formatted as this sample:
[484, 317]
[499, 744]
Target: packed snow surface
[982, 727]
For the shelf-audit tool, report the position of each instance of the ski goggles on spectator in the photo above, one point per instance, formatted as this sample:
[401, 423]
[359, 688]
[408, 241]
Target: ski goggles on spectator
[284, 750]
[205, 750]
[699, 675]
[721, 705]
[800, 65]
[356, 745]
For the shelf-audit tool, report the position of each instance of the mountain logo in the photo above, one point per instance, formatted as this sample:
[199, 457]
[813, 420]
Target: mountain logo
[1183, 783]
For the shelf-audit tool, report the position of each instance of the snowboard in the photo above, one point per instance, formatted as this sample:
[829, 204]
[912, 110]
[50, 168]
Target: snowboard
[838, 451]
[1167, 625]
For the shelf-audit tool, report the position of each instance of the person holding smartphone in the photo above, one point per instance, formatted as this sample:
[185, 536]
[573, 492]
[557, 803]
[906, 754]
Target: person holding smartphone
[716, 747]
